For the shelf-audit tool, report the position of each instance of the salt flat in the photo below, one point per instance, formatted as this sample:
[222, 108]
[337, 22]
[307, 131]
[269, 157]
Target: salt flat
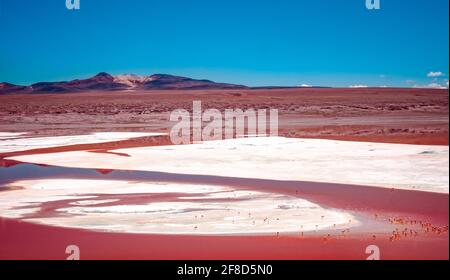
[188, 209]
[8, 135]
[402, 166]
[7, 144]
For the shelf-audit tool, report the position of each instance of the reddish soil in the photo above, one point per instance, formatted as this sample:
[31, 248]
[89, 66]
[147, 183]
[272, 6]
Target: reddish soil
[31, 241]
[414, 116]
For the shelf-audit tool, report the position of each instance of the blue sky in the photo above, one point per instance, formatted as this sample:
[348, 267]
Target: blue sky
[252, 42]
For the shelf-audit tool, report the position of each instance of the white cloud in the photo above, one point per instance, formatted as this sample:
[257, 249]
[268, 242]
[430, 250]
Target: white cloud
[435, 74]
[359, 86]
[432, 85]
[445, 83]
[305, 85]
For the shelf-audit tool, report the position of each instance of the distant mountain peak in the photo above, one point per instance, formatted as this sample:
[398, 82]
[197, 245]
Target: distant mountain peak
[107, 82]
[11, 88]
[6, 85]
[131, 80]
[103, 74]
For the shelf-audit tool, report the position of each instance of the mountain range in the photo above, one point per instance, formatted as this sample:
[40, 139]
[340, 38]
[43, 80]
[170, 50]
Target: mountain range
[105, 81]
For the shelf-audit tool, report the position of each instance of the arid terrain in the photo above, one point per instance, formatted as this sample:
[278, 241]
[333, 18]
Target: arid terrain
[415, 116]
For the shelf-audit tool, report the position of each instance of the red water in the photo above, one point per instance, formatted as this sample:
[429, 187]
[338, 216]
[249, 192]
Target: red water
[404, 224]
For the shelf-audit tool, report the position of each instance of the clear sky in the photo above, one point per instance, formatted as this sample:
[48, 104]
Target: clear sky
[252, 42]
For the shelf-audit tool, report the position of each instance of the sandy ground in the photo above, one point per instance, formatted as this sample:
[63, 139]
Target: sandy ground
[415, 116]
